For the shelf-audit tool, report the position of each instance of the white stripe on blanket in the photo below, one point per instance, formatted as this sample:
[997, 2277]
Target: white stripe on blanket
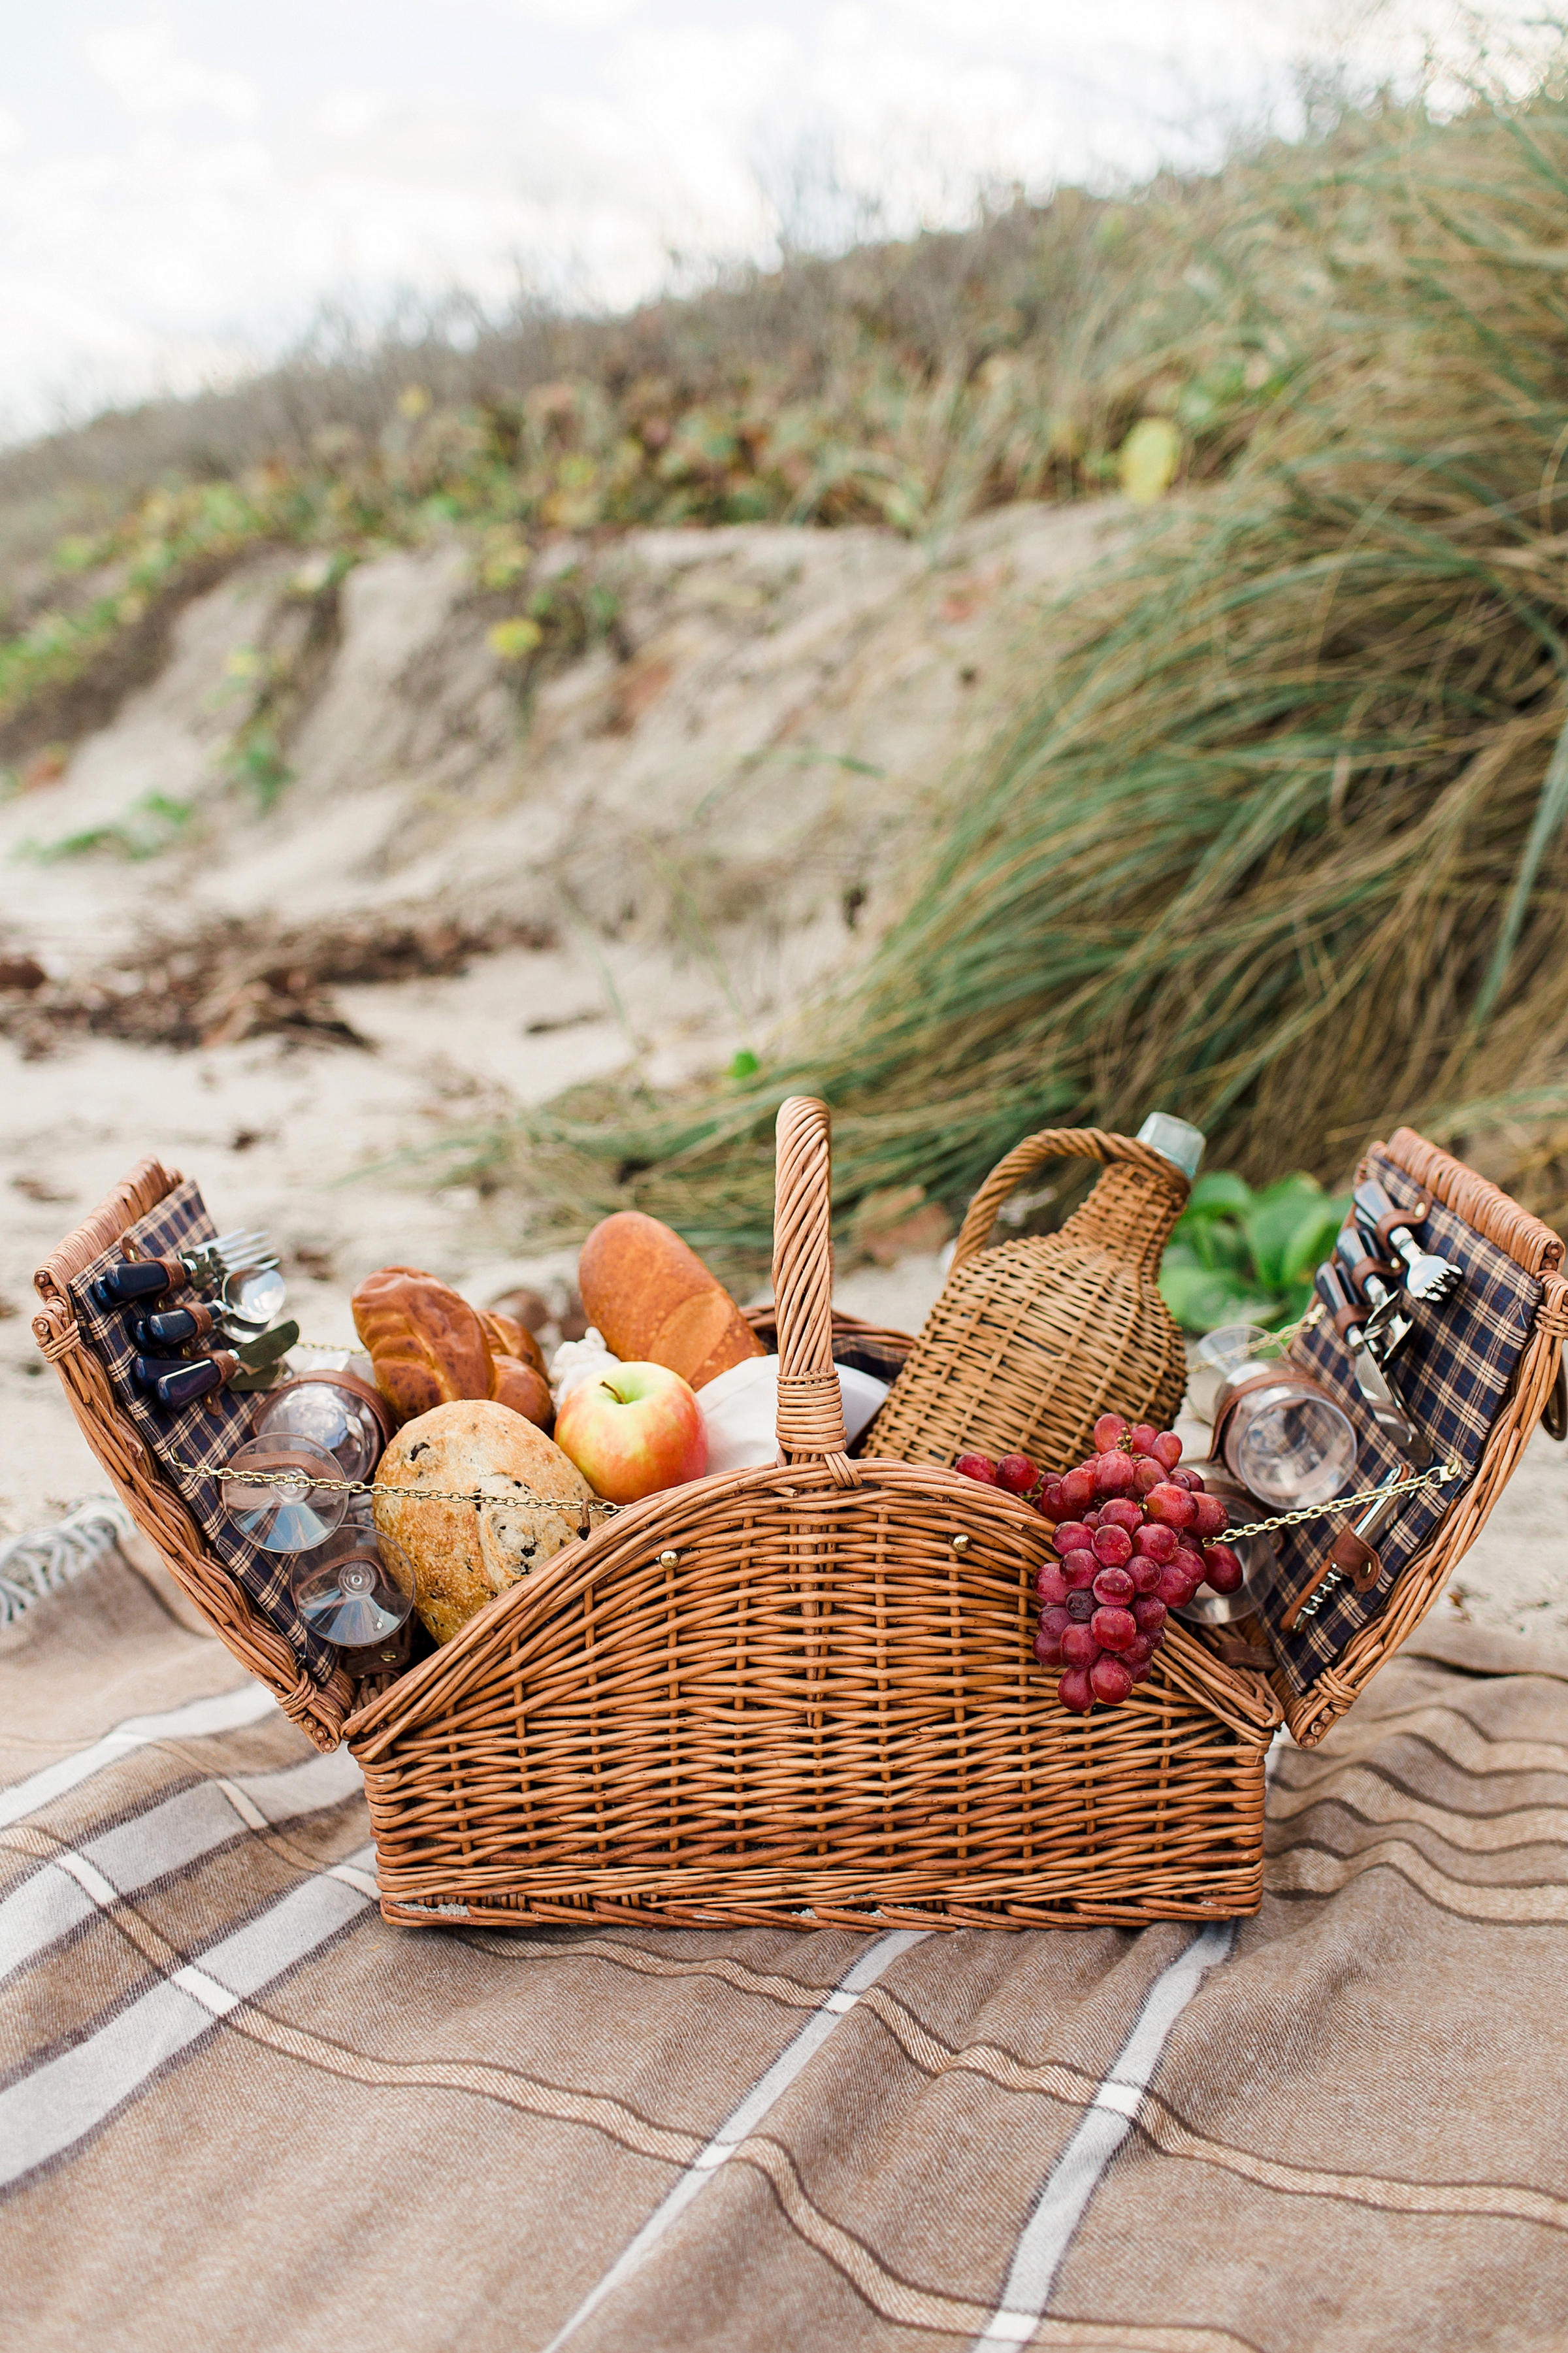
[744, 2119]
[225, 1712]
[1107, 2121]
[58, 2105]
[166, 1838]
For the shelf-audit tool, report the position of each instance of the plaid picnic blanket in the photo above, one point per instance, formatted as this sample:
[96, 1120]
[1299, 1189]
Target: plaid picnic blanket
[1452, 1374]
[191, 1440]
[236, 2109]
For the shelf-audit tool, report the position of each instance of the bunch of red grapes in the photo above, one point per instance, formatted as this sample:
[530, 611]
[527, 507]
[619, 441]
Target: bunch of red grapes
[1135, 1537]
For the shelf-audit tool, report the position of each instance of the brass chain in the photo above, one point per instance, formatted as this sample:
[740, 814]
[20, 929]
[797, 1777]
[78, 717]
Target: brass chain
[226, 1476]
[1435, 1475]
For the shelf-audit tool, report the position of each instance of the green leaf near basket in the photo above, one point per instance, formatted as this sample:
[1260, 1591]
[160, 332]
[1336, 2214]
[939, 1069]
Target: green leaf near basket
[1237, 1256]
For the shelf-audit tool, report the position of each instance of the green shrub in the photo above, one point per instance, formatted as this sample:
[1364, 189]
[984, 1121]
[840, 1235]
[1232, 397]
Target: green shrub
[1242, 1257]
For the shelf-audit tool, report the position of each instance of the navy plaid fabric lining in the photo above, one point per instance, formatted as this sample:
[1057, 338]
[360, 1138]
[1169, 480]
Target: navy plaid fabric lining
[1452, 1376]
[205, 1434]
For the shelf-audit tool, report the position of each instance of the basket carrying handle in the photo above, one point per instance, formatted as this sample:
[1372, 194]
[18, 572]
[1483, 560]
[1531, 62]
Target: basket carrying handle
[811, 1408]
[1053, 1144]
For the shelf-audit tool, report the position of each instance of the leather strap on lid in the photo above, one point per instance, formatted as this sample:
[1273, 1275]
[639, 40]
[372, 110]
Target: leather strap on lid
[1387, 1224]
[279, 1462]
[1362, 1562]
[1382, 1267]
[1232, 1393]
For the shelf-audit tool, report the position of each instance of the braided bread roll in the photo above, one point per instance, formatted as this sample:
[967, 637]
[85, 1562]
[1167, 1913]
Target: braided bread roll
[429, 1347]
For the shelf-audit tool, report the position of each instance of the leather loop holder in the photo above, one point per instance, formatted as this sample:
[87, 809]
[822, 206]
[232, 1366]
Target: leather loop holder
[1387, 1224]
[1360, 1561]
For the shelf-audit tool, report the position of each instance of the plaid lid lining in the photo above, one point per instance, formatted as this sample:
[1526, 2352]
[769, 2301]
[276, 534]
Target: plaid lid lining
[1452, 1376]
[205, 1434]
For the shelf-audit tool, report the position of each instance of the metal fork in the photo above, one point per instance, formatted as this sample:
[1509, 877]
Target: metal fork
[1426, 1276]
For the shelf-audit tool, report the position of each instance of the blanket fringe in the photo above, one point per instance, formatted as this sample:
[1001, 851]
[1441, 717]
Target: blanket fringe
[44, 1561]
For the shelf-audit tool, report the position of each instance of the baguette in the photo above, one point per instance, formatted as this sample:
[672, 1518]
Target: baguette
[656, 1303]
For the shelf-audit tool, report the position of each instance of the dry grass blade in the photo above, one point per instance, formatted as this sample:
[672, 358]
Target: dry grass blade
[1280, 844]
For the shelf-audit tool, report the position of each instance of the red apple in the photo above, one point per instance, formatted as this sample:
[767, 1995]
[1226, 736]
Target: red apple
[637, 1430]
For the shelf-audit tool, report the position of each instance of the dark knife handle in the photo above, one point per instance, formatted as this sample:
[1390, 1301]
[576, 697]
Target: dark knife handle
[1335, 1294]
[137, 1278]
[183, 1382]
[1361, 1270]
[172, 1328]
[1377, 1214]
[1349, 1250]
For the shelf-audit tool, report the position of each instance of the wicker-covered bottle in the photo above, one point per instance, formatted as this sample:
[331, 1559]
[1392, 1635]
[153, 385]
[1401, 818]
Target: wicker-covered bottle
[1031, 1341]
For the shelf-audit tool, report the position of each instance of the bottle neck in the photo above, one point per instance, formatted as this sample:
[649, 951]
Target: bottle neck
[1131, 1213]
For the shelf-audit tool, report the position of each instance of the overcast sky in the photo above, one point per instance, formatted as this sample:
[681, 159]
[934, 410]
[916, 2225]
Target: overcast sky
[182, 183]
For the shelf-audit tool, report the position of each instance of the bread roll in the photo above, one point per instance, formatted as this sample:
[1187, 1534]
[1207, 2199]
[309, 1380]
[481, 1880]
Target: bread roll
[508, 1337]
[460, 1557]
[656, 1303]
[429, 1347]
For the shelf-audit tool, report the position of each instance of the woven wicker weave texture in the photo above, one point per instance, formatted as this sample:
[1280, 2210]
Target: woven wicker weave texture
[823, 1701]
[1032, 1340]
[802, 1695]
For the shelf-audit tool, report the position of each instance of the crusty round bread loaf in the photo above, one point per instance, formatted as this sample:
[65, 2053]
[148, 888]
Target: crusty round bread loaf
[429, 1347]
[656, 1303]
[460, 1558]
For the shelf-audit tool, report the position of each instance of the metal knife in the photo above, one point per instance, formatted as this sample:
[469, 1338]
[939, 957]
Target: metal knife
[205, 1264]
[180, 1380]
[1387, 1326]
[1386, 1410]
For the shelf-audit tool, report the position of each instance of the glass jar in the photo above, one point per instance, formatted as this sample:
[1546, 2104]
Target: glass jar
[1282, 1436]
[336, 1408]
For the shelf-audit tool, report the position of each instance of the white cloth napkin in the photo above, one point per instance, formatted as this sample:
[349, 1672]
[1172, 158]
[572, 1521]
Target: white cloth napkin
[740, 1410]
[577, 1361]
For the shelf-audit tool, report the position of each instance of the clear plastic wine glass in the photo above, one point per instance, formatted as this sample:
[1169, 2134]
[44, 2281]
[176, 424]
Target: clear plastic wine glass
[331, 1414]
[1286, 1440]
[350, 1590]
[1217, 1356]
[289, 1509]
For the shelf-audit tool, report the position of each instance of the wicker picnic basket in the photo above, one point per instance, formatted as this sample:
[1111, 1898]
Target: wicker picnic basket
[803, 1695]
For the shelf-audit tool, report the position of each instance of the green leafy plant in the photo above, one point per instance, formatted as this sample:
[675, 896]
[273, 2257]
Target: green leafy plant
[1242, 1257]
[150, 826]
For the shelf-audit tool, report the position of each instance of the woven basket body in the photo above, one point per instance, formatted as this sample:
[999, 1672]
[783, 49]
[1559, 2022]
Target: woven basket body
[1032, 1340]
[806, 1694]
[801, 1695]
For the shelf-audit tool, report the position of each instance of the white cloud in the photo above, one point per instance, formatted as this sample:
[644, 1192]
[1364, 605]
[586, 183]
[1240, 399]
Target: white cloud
[183, 186]
[143, 69]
